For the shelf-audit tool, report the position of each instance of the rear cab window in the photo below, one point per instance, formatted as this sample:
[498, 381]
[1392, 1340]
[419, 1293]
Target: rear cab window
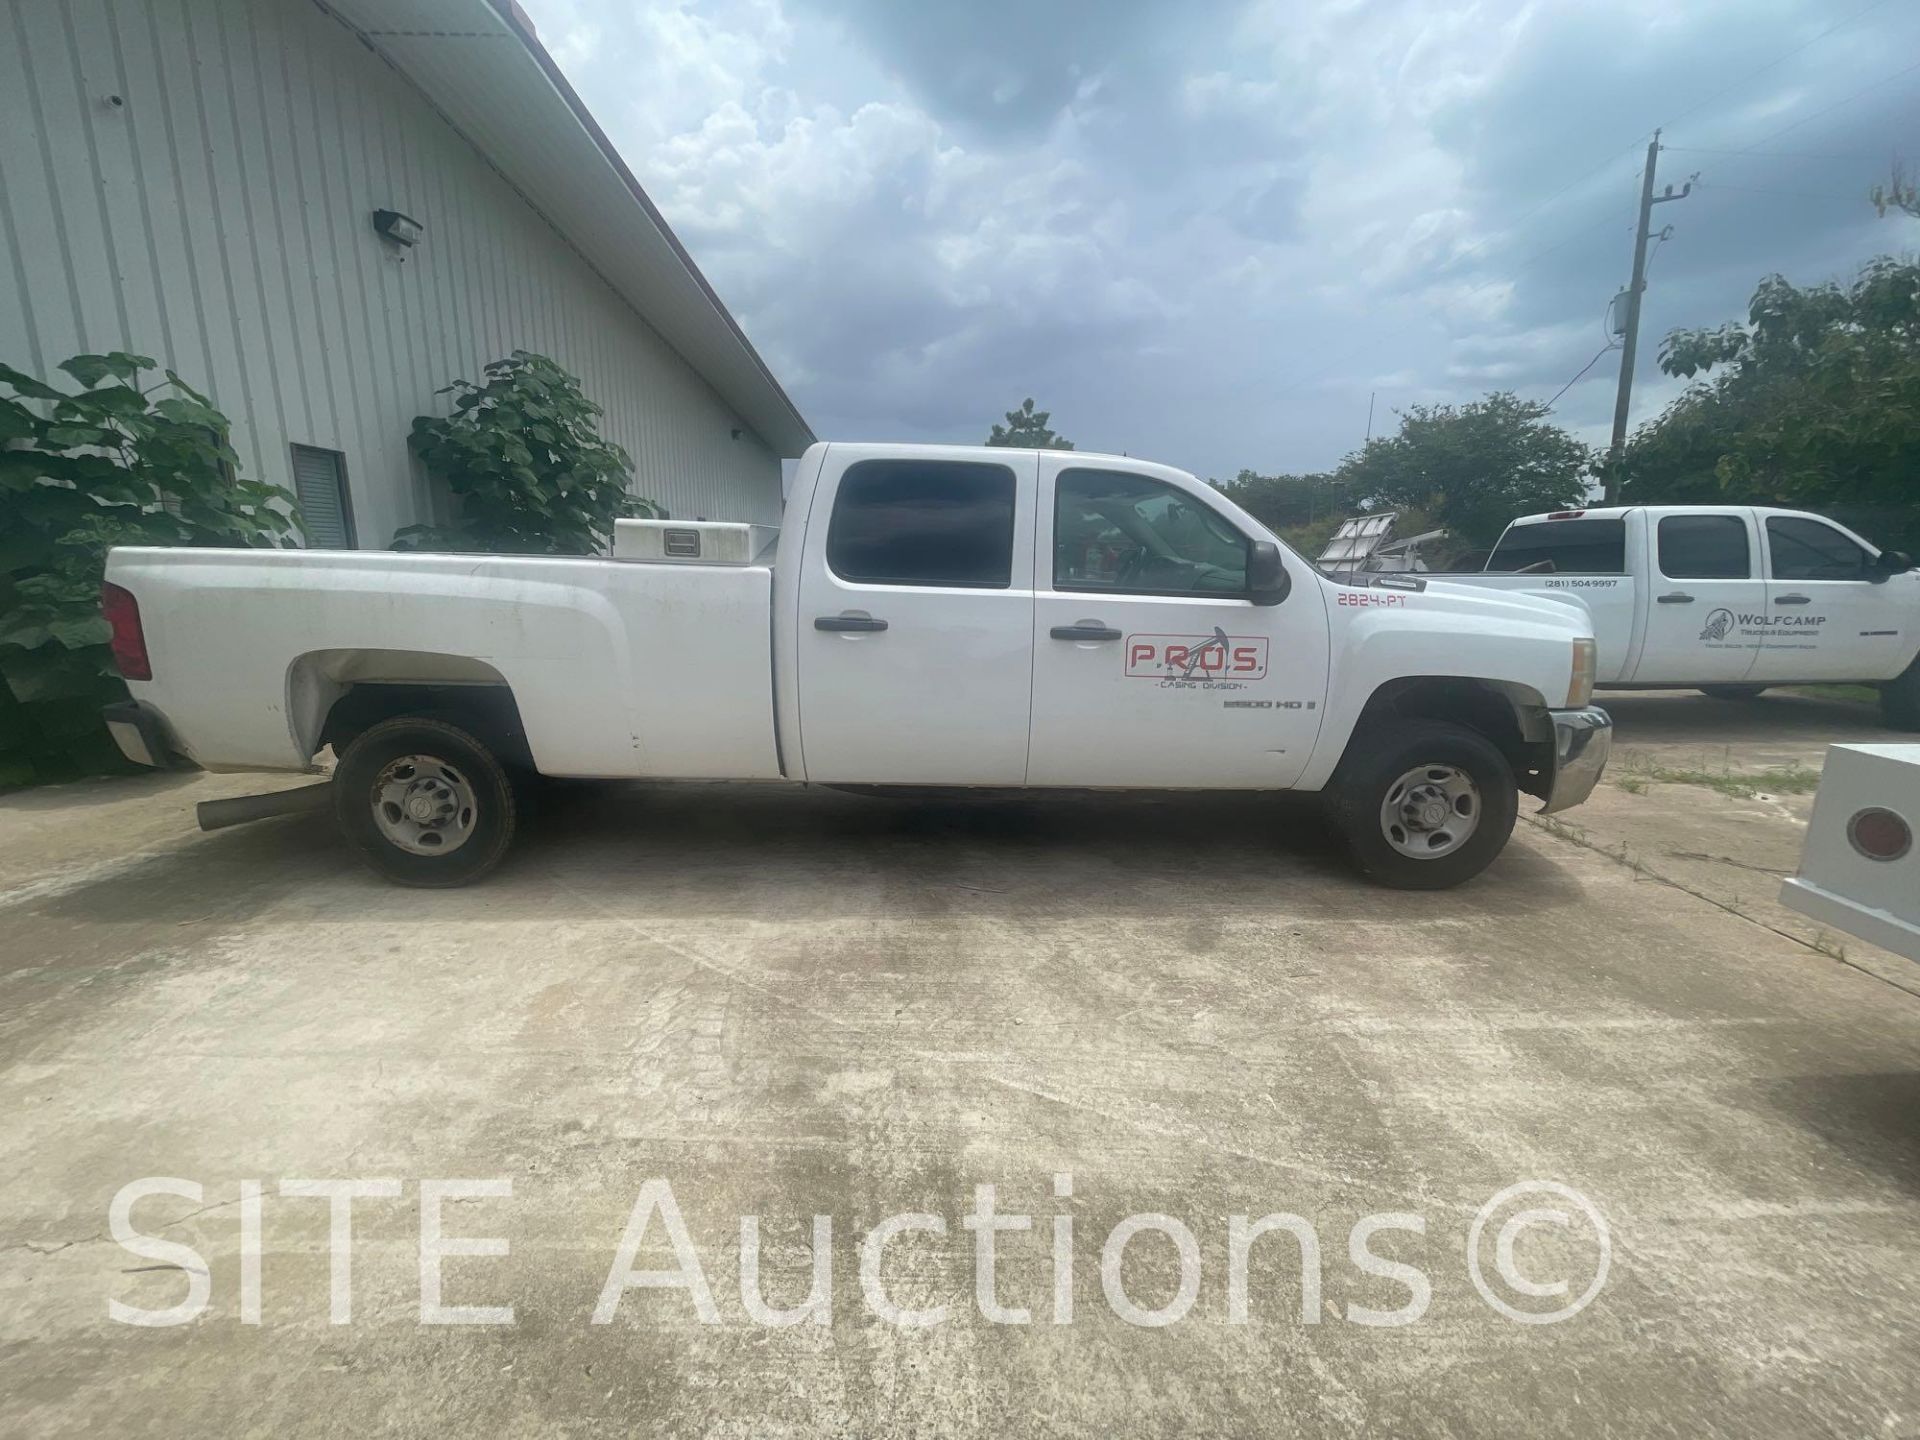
[923, 522]
[1563, 547]
[1807, 549]
[1704, 547]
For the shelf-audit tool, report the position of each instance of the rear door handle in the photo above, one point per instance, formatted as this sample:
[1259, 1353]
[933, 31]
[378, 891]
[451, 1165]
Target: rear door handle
[1793, 599]
[1086, 630]
[858, 624]
[1677, 597]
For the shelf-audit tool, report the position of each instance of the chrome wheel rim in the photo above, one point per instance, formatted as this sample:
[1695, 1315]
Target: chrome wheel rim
[424, 805]
[1430, 811]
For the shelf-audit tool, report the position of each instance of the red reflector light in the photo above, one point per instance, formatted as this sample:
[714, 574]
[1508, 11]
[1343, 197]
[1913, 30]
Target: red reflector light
[129, 641]
[1879, 834]
[1566, 515]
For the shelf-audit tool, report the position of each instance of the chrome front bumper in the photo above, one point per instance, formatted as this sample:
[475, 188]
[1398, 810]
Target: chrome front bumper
[1582, 740]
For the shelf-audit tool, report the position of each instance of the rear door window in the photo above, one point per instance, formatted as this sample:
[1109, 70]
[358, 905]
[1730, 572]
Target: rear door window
[1564, 547]
[1705, 547]
[1805, 549]
[923, 522]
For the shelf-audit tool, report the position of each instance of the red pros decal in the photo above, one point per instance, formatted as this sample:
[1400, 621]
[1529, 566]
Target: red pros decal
[1218, 656]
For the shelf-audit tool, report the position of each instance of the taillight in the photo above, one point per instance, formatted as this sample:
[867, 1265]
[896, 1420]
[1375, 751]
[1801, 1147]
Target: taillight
[129, 641]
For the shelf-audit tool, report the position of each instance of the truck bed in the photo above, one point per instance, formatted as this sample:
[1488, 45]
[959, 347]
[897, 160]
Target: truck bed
[619, 670]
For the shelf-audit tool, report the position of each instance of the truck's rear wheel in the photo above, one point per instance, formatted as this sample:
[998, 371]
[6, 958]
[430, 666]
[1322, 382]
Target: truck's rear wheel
[1424, 804]
[424, 802]
[1733, 692]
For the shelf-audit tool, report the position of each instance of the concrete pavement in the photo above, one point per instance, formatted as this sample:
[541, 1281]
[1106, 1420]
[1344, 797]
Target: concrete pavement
[790, 1003]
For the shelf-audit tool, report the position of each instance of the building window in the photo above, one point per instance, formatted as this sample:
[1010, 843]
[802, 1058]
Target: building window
[320, 485]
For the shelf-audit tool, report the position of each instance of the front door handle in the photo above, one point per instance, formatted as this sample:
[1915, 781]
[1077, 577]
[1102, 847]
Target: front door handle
[1793, 599]
[1676, 597]
[856, 624]
[1085, 630]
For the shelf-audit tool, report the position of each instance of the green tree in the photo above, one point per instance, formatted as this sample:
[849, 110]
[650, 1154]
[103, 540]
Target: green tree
[528, 468]
[1473, 467]
[120, 462]
[1027, 429]
[1813, 401]
[1282, 502]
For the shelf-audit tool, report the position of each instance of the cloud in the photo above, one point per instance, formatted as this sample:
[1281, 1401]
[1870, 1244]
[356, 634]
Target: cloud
[1207, 233]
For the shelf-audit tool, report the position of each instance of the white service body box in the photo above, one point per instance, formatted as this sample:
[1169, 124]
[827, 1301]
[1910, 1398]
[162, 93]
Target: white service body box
[1857, 873]
[692, 542]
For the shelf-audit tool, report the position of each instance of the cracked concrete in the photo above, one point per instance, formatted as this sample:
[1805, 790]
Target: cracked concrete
[792, 1003]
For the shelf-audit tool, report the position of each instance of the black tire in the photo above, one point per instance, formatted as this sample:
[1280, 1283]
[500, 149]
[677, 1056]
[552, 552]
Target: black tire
[1733, 692]
[1900, 699]
[1377, 758]
[493, 813]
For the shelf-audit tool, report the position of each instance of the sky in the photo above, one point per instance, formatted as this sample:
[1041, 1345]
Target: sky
[1209, 233]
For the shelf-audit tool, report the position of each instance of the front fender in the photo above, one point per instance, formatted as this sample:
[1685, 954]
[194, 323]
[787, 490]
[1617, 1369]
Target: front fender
[1526, 653]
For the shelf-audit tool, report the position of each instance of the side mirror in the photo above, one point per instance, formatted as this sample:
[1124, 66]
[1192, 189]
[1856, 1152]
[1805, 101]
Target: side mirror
[1895, 562]
[1267, 580]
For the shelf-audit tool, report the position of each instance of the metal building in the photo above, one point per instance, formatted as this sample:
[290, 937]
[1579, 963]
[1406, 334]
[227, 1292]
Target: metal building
[322, 211]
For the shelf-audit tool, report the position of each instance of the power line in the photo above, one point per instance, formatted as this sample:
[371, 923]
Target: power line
[1612, 159]
[1776, 154]
[1790, 194]
[1606, 349]
[1829, 109]
[1772, 64]
[1320, 370]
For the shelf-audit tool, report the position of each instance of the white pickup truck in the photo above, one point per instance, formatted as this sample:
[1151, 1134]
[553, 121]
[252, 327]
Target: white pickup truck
[933, 616]
[1725, 599]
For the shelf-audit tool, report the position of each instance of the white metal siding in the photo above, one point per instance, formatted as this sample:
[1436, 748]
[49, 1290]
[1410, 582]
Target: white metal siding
[220, 220]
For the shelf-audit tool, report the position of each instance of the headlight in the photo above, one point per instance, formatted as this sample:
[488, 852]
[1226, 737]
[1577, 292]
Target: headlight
[1580, 686]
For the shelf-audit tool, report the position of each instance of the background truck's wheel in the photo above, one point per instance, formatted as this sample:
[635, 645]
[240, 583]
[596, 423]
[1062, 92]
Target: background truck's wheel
[1900, 699]
[424, 802]
[1424, 804]
[1733, 692]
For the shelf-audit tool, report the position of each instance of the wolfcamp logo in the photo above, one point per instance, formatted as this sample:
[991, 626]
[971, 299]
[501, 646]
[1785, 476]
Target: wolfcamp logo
[1718, 624]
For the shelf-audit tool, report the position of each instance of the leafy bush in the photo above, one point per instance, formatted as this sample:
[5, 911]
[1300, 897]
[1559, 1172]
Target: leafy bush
[118, 463]
[1813, 401]
[525, 460]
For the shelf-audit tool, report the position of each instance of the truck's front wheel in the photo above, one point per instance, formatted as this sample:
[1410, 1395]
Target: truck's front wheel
[1424, 804]
[424, 802]
[1900, 699]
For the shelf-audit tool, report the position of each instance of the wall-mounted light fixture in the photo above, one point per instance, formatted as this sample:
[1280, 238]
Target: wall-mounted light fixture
[401, 229]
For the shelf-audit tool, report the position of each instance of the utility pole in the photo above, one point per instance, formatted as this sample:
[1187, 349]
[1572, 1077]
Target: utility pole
[1630, 343]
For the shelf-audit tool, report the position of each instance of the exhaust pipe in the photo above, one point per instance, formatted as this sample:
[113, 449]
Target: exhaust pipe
[219, 814]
